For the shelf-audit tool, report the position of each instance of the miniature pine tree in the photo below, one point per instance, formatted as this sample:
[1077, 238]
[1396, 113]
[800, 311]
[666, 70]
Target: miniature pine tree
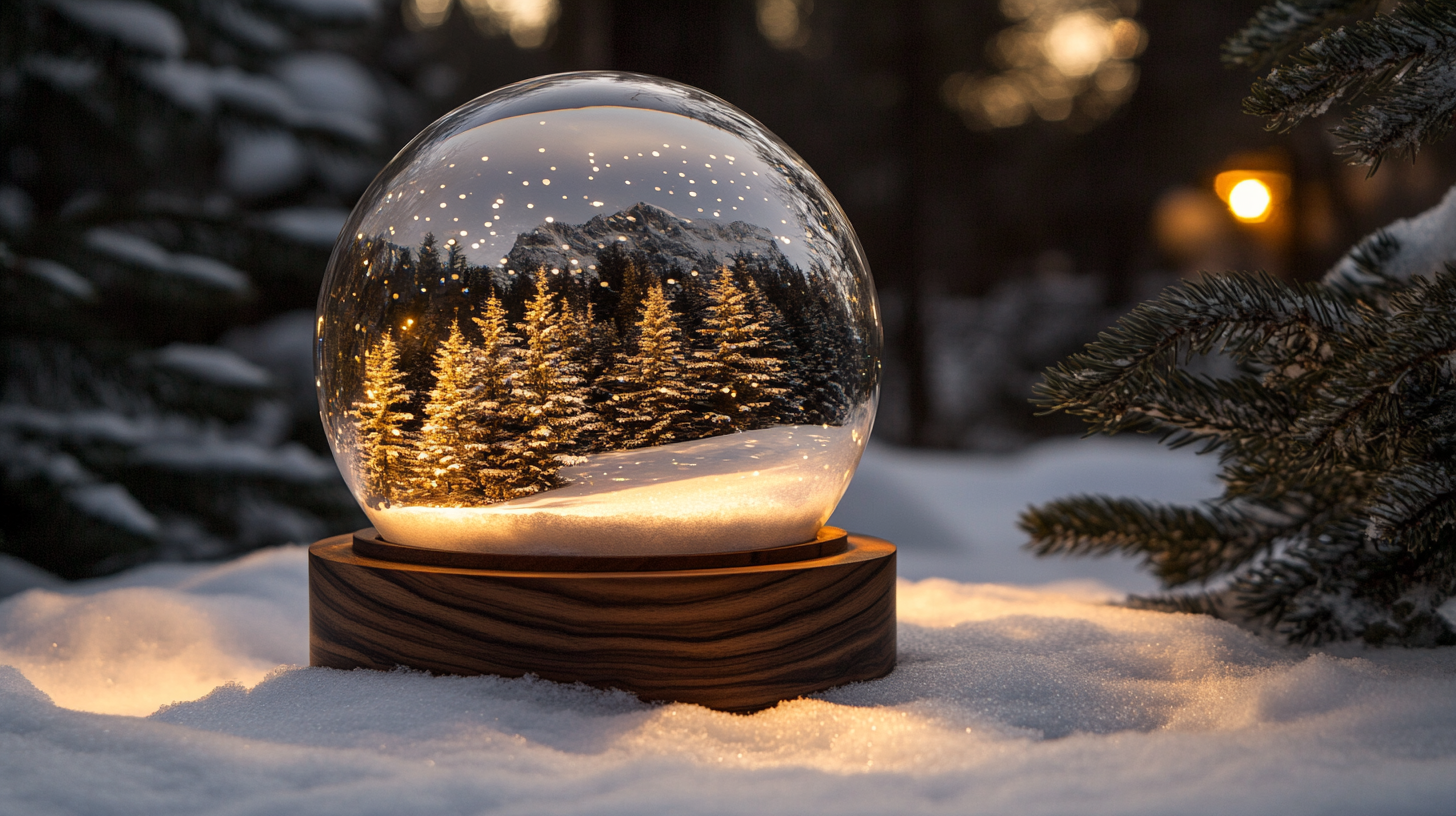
[494, 370]
[548, 403]
[1338, 516]
[650, 406]
[579, 341]
[784, 381]
[385, 450]
[737, 382]
[444, 475]
[427, 265]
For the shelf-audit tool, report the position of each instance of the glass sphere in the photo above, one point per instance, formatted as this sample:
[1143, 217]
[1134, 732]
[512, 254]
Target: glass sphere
[597, 313]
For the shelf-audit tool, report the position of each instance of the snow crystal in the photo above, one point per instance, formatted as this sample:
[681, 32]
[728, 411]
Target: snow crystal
[211, 364]
[138, 251]
[314, 226]
[133, 23]
[1425, 243]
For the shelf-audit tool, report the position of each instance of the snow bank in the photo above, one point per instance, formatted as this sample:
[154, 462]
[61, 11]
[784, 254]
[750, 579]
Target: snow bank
[741, 491]
[1006, 700]
[1423, 245]
[954, 514]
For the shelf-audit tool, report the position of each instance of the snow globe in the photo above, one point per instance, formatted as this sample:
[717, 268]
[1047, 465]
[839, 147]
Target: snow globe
[598, 355]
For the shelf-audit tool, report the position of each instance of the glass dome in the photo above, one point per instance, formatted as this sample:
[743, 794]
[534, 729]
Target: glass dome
[597, 313]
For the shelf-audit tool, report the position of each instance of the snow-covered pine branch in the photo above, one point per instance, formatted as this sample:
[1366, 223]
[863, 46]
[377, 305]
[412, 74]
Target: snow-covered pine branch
[1402, 61]
[1284, 24]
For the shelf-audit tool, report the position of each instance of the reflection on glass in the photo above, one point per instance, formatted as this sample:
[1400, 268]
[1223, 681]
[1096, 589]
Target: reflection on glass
[597, 313]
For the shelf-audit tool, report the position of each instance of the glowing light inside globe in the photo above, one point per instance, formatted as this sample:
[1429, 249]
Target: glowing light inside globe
[597, 313]
[1250, 199]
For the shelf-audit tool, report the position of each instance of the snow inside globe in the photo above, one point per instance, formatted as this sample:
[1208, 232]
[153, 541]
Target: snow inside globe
[597, 314]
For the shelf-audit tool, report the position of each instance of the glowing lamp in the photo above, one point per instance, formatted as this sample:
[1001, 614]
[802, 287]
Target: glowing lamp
[1251, 195]
[598, 356]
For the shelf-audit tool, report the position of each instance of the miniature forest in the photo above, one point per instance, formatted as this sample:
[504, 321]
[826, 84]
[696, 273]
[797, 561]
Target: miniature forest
[521, 375]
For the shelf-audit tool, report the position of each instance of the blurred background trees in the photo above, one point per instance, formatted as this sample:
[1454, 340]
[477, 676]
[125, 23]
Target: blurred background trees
[173, 172]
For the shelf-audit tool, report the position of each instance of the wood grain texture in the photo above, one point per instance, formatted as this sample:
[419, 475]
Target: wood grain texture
[736, 639]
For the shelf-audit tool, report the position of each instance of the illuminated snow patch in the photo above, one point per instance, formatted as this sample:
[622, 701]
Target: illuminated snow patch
[742, 491]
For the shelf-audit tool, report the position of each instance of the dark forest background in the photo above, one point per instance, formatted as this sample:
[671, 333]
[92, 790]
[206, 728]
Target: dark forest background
[172, 180]
[996, 250]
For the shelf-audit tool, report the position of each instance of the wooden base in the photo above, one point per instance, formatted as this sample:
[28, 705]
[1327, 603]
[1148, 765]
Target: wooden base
[738, 638]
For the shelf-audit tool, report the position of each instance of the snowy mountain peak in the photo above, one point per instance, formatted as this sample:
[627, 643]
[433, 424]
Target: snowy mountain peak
[667, 240]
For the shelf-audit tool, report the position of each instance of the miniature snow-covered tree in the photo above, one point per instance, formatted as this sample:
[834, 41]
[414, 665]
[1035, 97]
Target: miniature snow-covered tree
[386, 453]
[494, 370]
[738, 381]
[444, 476]
[1338, 516]
[650, 406]
[170, 170]
[548, 403]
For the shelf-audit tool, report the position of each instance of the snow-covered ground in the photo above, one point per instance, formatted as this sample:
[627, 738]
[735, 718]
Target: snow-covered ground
[1025, 695]
[741, 491]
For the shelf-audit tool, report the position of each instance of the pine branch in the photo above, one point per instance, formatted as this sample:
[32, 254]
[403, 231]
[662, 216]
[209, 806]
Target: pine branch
[1417, 110]
[1180, 545]
[1236, 314]
[1362, 272]
[1198, 603]
[1283, 24]
[1358, 403]
[1413, 507]
[1404, 56]
[1184, 408]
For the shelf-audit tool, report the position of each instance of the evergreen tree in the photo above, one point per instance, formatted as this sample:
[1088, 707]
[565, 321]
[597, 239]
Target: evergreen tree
[427, 265]
[443, 443]
[494, 373]
[738, 383]
[456, 262]
[1338, 516]
[164, 163]
[784, 382]
[650, 406]
[386, 451]
[1400, 62]
[548, 406]
[583, 351]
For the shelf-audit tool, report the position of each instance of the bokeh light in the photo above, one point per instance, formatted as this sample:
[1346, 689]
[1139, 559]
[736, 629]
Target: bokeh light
[1250, 199]
[1061, 61]
[1252, 196]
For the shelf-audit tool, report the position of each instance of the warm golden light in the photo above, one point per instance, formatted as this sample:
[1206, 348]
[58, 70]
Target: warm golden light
[1250, 200]
[1252, 196]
